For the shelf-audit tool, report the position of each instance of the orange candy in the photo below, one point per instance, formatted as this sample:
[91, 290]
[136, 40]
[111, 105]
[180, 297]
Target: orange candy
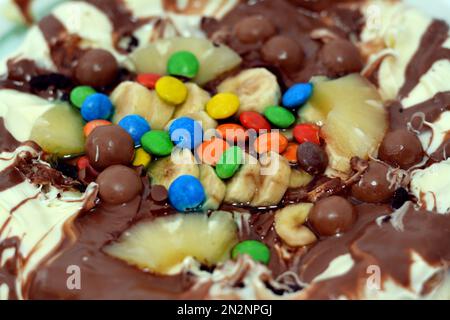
[291, 152]
[91, 125]
[271, 141]
[232, 132]
[209, 151]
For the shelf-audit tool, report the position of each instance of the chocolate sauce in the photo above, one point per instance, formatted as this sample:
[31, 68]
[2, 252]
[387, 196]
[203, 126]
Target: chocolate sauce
[291, 22]
[25, 9]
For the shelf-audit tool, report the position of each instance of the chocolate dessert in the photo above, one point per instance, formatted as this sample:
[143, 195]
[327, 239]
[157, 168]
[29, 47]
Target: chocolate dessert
[287, 149]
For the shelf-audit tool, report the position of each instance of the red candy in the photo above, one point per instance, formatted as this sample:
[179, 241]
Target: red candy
[307, 133]
[254, 120]
[148, 79]
[82, 162]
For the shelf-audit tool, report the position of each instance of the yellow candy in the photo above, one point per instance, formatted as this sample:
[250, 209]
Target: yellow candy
[171, 90]
[222, 105]
[141, 158]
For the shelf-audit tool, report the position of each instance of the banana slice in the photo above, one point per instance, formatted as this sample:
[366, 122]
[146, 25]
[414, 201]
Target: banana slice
[256, 88]
[196, 101]
[289, 225]
[132, 98]
[299, 178]
[214, 187]
[206, 121]
[242, 187]
[165, 170]
[275, 174]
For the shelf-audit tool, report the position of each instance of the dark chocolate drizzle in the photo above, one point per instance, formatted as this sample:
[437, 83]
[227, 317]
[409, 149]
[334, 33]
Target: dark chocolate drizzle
[25, 9]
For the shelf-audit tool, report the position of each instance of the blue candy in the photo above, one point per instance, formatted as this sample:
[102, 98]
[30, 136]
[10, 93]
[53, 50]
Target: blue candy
[186, 133]
[297, 95]
[136, 126]
[186, 193]
[96, 106]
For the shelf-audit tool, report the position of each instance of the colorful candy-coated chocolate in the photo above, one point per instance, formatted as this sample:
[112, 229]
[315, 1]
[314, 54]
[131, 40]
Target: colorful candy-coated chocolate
[257, 250]
[171, 90]
[297, 95]
[291, 152]
[141, 158]
[186, 193]
[254, 120]
[222, 105]
[186, 133]
[307, 132]
[96, 106]
[183, 63]
[210, 151]
[91, 125]
[232, 132]
[79, 94]
[136, 126]
[148, 79]
[157, 142]
[271, 141]
[229, 162]
[82, 162]
[279, 116]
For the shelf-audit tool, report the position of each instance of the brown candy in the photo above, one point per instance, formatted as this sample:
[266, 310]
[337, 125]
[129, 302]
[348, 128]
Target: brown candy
[341, 57]
[96, 68]
[312, 158]
[283, 52]
[254, 29]
[401, 148]
[159, 193]
[374, 186]
[109, 145]
[118, 184]
[332, 215]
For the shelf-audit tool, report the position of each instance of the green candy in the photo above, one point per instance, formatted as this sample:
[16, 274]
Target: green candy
[229, 162]
[255, 249]
[157, 142]
[183, 63]
[279, 116]
[79, 94]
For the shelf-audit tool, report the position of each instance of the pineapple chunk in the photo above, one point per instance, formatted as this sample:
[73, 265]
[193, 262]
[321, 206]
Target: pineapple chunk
[59, 131]
[214, 59]
[354, 119]
[162, 244]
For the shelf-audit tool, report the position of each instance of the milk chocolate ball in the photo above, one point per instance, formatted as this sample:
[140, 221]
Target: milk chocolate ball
[118, 184]
[283, 52]
[254, 29]
[109, 145]
[96, 68]
[401, 148]
[341, 57]
[332, 215]
[374, 185]
[312, 158]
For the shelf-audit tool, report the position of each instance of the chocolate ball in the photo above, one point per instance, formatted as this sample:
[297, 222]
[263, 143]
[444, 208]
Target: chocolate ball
[341, 57]
[96, 68]
[283, 52]
[254, 29]
[118, 184]
[374, 186]
[401, 148]
[109, 145]
[332, 215]
[312, 158]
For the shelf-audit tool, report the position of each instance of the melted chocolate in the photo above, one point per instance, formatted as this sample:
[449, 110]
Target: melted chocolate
[25, 9]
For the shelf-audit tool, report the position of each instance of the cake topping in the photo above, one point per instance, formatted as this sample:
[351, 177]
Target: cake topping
[118, 184]
[97, 68]
[401, 148]
[109, 145]
[283, 52]
[254, 29]
[374, 185]
[332, 215]
[341, 57]
[312, 158]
